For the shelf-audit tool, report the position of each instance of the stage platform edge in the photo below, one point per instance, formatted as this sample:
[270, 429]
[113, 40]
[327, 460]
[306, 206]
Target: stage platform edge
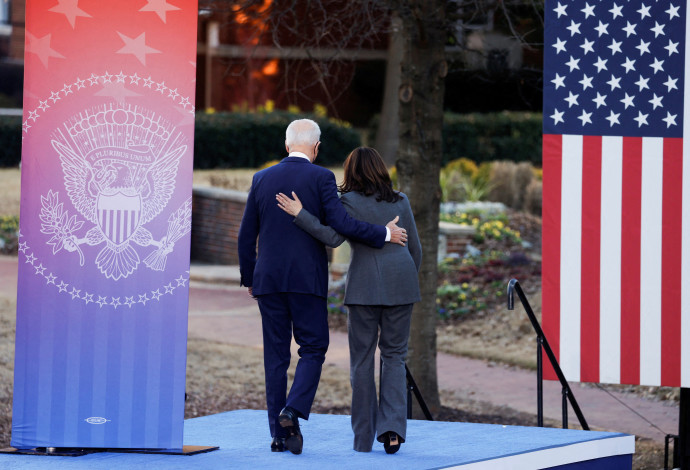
[244, 442]
[72, 452]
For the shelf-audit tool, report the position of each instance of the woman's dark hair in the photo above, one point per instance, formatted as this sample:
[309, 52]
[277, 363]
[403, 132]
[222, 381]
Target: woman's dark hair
[366, 173]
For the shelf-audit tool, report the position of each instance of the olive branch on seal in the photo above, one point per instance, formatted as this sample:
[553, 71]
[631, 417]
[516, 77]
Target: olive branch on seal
[179, 224]
[56, 221]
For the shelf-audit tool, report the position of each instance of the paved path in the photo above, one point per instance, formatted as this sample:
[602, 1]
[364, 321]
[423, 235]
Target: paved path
[222, 311]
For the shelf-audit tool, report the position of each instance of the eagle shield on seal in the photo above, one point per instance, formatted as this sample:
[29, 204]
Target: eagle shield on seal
[119, 166]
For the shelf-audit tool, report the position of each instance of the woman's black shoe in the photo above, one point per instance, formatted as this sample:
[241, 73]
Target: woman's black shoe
[391, 442]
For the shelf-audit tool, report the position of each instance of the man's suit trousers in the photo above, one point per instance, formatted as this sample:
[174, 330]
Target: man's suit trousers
[283, 314]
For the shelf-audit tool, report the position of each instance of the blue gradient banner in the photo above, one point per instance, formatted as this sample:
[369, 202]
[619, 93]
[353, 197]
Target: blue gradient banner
[104, 237]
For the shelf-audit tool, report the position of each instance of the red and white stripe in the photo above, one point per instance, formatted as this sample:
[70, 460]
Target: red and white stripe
[616, 273]
[615, 267]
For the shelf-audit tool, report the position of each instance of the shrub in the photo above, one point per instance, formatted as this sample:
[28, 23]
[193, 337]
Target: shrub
[10, 141]
[451, 186]
[393, 172]
[482, 137]
[463, 165]
[509, 182]
[490, 226]
[453, 300]
[533, 198]
[248, 140]
[335, 298]
[269, 164]
[461, 180]
[523, 178]
[9, 227]
[496, 230]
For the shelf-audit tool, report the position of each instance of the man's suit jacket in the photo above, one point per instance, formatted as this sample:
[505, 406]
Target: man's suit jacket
[289, 259]
[375, 277]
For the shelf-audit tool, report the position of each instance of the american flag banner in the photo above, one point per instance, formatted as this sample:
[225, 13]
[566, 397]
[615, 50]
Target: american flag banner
[616, 193]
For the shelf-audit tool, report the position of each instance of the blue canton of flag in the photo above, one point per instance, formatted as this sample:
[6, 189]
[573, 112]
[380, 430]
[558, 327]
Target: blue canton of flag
[614, 68]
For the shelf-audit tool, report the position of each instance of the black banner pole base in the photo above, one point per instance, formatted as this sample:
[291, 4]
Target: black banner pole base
[56, 451]
[77, 452]
[186, 450]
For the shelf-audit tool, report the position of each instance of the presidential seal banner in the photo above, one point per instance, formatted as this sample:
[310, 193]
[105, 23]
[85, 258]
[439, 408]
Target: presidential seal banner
[105, 224]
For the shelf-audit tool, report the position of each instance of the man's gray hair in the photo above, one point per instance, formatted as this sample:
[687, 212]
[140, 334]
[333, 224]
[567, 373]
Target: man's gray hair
[302, 132]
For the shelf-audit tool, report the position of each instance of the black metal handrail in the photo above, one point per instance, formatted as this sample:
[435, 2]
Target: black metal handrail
[411, 387]
[542, 343]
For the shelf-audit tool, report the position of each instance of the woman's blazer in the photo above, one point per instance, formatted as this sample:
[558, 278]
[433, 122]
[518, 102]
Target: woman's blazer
[385, 276]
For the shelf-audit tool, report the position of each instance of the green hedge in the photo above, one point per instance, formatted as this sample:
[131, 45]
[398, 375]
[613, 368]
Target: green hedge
[481, 137]
[10, 140]
[226, 140]
[241, 140]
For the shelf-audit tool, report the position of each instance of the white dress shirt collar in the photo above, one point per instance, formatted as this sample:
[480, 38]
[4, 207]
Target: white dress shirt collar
[299, 154]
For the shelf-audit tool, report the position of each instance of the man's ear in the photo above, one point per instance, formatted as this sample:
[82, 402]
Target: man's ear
[287, 149]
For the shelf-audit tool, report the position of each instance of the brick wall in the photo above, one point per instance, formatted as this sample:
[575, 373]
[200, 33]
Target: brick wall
[457, 243]
[453, 239]
[217, 214]
[216, 217]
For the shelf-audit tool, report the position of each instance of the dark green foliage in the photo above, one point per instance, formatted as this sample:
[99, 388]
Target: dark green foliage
[514, 136]
[485, 137]
[247, 140]
[10, 140]
[226, 140]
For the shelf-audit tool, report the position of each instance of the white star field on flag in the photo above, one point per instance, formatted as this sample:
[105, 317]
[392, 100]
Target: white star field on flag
[614, 68]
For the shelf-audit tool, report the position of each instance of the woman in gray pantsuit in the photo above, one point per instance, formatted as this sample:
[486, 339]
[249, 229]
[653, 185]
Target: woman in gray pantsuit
[381, 288]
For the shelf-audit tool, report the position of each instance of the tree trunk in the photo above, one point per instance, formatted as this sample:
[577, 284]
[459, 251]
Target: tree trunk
[423, 69]
[387, 133]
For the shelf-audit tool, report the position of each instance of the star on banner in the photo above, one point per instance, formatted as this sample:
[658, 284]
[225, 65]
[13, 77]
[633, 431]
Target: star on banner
[41, 47]
[70, 9]
[160, 7]
[613, 118]
[137, 46]
[670, 119]
[87, 298]
[116, 91]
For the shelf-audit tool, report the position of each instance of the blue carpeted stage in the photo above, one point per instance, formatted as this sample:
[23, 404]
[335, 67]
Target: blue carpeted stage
[244, 443]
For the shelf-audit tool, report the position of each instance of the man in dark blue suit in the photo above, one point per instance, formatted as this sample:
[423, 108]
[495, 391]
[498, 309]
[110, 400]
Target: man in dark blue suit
[289, 277]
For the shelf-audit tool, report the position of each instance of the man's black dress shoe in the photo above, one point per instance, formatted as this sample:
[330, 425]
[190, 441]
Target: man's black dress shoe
[278, 444]
[289, 420]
